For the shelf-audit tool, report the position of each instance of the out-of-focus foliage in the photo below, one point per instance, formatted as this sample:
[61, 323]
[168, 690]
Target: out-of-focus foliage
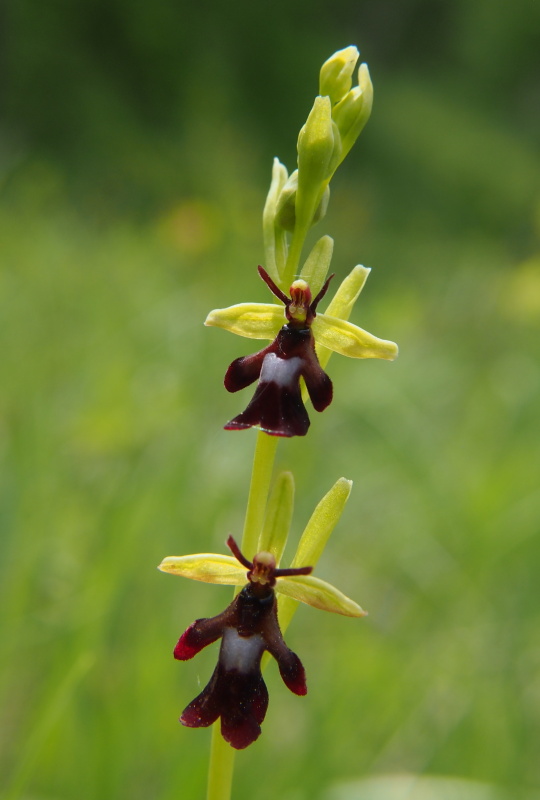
[135, 152]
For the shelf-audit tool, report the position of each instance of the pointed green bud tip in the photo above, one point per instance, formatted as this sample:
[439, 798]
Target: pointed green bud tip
[279, 179]
[354, 109]
[336, 73]
[317, 143]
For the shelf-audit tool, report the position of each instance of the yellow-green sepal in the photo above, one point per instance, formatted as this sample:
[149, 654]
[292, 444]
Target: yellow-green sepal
[206, 567]
[347, 339]
[348, 293]
[319, 594]
[253, 320]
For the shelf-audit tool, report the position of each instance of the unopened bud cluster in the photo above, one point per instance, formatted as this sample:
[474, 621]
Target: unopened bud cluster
[296, 202]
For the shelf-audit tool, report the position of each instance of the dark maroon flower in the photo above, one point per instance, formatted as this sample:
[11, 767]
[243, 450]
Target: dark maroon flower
[236, 691]
[277, 406]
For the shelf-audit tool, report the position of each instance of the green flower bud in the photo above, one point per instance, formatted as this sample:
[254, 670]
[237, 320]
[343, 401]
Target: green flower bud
[319, 152]
[286, 205]
[279, 179]
[316, 145]
[352, 112]
[336, 73]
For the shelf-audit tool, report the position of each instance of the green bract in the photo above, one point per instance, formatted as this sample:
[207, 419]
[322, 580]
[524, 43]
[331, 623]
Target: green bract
[317, 264]
[277, 520]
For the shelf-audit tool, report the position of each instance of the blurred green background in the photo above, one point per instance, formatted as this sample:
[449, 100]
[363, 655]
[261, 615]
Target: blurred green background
[136, 142]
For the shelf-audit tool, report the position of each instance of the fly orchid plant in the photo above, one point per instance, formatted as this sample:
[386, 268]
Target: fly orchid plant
[289, 370]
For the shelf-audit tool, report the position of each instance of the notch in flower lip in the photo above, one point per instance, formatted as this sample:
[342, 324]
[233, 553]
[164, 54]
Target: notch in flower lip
[277, 406]
[248, 627]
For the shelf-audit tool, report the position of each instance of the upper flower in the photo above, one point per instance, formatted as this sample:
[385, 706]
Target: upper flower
[277, 406]
[248, 627]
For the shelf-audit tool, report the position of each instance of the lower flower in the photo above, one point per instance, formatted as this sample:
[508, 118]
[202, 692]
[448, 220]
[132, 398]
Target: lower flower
[236, 691]
[248, 628]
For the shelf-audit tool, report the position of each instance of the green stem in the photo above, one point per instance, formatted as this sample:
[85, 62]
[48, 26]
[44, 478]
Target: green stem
[263, 465]
[293, 256]
[221, 766]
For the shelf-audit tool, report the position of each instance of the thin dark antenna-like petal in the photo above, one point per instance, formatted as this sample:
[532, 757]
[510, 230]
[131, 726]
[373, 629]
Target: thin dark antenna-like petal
[272, 286]
[285, 573]
[313, 306]
[237, 553]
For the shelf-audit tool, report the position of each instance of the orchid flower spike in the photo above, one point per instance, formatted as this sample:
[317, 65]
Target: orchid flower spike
[248, 627]
[277, 406]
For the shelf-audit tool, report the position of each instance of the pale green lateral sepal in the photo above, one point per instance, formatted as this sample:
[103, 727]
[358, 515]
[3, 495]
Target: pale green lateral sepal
[275, 246]
[277, 521]
[349, 340]
[317, 264]
[206, 567]
[253, 320]
[320, 594]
